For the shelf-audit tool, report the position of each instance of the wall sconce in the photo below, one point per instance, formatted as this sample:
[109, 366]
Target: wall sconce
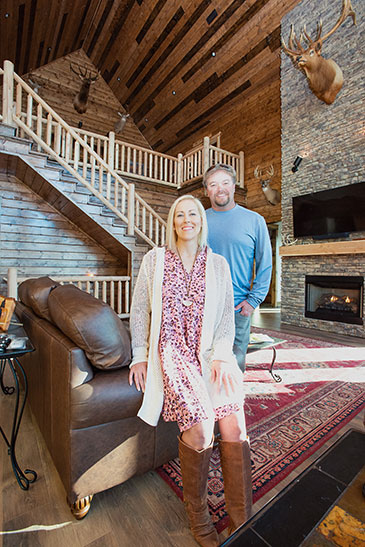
[297, 162]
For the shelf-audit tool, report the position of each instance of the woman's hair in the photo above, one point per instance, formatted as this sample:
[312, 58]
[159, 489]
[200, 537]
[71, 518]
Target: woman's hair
[170, 231]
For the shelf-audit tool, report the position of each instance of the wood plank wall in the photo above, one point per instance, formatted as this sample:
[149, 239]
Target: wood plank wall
[38, 240]
[59, 85]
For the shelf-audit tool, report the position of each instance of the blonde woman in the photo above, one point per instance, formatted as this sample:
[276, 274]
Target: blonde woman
[182, 327]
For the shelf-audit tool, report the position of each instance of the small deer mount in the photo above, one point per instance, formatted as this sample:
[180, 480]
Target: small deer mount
[325, 78]
[271, 195]
[34, 83]
[119, 124]
[80, 100]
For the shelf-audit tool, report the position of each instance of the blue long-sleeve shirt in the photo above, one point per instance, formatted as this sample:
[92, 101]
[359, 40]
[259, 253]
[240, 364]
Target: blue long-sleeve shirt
[242, 237]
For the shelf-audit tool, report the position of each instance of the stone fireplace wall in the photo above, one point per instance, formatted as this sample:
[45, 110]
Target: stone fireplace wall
[331, 138]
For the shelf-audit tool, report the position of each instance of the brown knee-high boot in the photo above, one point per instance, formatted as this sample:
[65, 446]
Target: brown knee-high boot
[237, 477]
[194, 471]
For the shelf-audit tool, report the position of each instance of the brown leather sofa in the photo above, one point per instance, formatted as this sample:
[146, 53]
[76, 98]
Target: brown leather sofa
[80, 394]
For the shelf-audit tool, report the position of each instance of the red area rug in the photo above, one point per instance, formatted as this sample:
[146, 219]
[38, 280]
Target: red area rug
[322, 389]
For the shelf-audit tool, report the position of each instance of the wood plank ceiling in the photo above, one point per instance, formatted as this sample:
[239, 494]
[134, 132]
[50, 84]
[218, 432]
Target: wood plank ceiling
[176, 65]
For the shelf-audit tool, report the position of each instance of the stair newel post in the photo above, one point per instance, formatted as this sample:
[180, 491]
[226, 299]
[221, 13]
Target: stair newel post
[12, 283]
[131, 219]
[206, 143]
[241, 179]
[39, 124]
[76, 155]
[179, 170]
[8, 93]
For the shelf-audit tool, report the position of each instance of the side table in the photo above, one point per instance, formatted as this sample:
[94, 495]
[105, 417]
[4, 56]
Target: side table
[9, 358]
[257, 346]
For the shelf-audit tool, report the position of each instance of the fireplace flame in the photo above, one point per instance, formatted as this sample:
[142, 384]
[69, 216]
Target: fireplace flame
[347, 300]
[334, 298]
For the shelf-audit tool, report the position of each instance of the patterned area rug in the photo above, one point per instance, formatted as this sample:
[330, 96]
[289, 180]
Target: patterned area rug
[322, 388]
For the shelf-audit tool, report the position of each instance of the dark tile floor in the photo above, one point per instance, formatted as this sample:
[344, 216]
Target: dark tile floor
[319, 507]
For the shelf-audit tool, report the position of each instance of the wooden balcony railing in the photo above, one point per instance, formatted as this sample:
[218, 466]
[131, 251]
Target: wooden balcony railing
[122, 158]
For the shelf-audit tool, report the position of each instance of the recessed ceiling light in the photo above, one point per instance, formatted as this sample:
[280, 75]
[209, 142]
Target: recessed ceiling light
[174, 92]
[146, 119]
[118, 79]
[6, 15]
[213, 53]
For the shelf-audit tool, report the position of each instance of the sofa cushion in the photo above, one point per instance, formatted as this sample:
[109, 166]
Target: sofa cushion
[92, 325]
[34, 294]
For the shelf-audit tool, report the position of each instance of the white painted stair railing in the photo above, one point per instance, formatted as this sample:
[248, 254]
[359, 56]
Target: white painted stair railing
[60, 141]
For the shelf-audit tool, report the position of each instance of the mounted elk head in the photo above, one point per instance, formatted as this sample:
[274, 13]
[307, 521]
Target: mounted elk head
[272, 195]
[119, 125]
[324, 76]
[80, 100]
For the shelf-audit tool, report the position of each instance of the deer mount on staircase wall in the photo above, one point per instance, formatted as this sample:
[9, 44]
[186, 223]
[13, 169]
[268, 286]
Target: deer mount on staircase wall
[325, 78]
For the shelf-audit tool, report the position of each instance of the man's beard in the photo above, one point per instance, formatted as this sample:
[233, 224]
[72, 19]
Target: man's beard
[223, 201]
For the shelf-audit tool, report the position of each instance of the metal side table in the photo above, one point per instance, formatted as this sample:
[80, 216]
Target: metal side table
[257, 346]
[10, 358]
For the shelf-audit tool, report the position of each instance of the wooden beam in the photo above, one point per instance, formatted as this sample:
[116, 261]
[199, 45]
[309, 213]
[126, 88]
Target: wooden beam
[356, 246]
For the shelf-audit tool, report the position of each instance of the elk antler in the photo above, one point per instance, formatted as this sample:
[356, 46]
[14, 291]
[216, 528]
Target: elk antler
[347, 10]
[83, 74]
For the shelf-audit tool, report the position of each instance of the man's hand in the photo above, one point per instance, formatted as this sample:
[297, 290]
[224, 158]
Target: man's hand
[245, 308]
[138, 374]
[219, 376]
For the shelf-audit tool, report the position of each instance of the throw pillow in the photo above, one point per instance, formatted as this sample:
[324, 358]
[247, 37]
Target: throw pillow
[92, 325]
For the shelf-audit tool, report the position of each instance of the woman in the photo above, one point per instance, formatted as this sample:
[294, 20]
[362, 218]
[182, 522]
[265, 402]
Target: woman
[182, 327]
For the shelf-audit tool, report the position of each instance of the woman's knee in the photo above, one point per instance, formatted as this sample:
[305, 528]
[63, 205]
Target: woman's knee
[233, 427]
[199, 436]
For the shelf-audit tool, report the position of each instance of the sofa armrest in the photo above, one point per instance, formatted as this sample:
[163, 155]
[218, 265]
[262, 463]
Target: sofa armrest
[45, 337]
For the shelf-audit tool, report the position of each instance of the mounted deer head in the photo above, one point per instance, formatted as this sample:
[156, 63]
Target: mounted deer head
[272, 195]
[119, 124]
[34, 84]
[80, 100]
[324, 76]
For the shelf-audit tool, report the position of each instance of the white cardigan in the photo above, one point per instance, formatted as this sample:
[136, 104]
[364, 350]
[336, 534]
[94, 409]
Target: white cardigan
[217, 329]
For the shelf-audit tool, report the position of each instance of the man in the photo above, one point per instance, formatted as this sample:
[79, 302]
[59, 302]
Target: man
[242, 237]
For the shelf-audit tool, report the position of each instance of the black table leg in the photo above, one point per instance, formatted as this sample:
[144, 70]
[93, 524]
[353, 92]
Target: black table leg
[20, 476]
[276, 377]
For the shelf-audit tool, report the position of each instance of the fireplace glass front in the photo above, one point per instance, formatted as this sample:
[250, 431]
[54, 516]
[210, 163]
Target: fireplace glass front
[334, 298]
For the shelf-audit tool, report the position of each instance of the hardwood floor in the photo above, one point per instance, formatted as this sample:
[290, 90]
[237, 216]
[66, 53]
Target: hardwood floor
[142, 512]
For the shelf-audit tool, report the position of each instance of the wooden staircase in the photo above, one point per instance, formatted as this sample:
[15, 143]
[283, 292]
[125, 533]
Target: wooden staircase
[72, 199]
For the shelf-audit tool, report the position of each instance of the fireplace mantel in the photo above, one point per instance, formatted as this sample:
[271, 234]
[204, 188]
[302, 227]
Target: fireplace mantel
[356, 246]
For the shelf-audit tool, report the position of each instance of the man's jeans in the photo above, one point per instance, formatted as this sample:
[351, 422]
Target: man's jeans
[242, 338]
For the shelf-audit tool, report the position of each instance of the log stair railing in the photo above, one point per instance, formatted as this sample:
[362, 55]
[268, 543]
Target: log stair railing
[113, 290]
[61, 142]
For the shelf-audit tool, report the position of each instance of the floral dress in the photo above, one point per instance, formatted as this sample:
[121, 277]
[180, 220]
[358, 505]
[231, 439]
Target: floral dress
[186, 398]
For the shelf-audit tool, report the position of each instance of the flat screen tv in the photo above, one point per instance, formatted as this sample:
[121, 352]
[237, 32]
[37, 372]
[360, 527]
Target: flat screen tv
[330, 213]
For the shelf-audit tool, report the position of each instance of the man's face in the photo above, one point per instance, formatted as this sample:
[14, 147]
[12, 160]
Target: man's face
[220, 190]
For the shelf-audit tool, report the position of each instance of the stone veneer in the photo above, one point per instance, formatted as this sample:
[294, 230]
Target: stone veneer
[331, 140]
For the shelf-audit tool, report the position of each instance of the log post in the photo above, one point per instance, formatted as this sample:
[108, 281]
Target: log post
[241, 181]
[179, 170]
[12, 283]
[130, 209]
[205, 154]
[111, 149]
[8, 93]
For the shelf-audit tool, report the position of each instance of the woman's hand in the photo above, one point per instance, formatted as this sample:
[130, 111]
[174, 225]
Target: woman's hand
[138, 374]
[219, 376]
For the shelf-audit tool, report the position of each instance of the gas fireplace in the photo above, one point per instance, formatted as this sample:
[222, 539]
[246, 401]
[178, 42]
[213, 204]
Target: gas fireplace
[334, 298]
